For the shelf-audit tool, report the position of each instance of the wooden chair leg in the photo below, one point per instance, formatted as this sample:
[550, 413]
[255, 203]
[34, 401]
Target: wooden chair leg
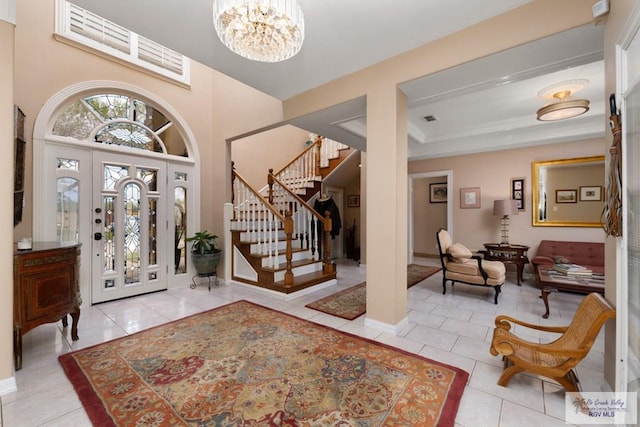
[569, 382]
[507, 374]
[444, 286]
[497, 289]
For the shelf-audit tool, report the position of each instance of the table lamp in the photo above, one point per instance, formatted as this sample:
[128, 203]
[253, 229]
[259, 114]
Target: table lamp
[504, 208]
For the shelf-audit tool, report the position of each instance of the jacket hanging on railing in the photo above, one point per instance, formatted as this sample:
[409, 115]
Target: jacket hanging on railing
[321, 206]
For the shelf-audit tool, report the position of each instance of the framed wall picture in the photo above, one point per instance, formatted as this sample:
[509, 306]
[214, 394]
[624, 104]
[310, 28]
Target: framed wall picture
[353, 201]
[470, 198]
[591, 194]
[566, 196]
[438, 192]
[518, 192]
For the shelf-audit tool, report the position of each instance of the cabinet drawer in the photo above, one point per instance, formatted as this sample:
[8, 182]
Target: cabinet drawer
[47, 294]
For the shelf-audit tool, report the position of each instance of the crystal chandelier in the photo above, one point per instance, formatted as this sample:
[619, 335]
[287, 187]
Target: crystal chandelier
[260, 30]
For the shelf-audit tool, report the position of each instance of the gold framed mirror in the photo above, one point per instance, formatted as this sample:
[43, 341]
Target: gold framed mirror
[568, 192]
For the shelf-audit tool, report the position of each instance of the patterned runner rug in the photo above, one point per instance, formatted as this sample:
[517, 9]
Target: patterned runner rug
[244, 364]
[351, 303]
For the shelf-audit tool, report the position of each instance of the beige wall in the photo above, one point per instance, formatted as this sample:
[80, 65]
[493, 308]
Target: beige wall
[6, 196]
[387, 139]
[427, 217]
[275, 148]
[218, 108]
[215, 108]
[492, 172]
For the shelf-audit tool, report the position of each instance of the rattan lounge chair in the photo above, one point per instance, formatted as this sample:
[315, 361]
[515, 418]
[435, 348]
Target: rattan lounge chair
[556, 359]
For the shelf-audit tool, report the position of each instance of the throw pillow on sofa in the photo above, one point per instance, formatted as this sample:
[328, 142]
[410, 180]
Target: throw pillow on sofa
[459, 252]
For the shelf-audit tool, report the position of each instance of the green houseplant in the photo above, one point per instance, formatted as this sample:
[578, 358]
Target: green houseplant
[204, 252]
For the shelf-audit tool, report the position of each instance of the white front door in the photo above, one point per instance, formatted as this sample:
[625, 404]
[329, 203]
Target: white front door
[128, 225]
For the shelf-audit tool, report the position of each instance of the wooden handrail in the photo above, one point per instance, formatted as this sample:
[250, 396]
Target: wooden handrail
[259, 196]
[314, 145]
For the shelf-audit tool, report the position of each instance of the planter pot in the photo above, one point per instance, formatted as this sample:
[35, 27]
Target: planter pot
[207, 264]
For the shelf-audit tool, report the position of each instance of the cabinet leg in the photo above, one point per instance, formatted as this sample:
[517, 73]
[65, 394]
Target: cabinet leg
[17, 347]
[75, 316]
[65, 323]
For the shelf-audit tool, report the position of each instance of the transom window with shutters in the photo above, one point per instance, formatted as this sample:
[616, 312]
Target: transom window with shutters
[76, 25]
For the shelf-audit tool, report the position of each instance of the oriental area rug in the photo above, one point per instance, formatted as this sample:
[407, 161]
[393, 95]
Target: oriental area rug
[247, 365]
[352, 303]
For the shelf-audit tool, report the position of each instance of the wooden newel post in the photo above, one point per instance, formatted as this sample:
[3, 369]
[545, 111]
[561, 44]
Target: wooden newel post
[288, 231]
[327, 266]
[318, 143]
[270, 183]
[233, 179]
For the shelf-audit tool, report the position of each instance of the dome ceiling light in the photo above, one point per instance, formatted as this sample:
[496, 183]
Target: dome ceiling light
[564, 106]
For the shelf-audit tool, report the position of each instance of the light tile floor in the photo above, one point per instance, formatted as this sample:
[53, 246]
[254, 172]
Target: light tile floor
[454, 328]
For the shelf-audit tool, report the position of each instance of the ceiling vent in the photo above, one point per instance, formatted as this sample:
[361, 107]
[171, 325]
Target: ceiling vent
[430, 118]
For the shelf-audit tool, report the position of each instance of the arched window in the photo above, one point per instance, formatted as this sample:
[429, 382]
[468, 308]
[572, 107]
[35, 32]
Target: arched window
[121, 120]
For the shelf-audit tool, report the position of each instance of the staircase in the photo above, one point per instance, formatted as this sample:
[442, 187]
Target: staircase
[278, 241]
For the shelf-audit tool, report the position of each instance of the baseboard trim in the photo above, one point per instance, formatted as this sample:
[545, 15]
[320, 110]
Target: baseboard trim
[8, 385]
[422, 255]
[386, 327]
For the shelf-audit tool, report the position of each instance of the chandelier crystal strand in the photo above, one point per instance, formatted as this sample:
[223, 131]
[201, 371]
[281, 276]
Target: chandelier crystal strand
[260, 30]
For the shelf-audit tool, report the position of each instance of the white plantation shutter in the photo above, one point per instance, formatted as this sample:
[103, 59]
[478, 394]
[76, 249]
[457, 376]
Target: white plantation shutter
[159, 55]
[99, 29]
[76, 25]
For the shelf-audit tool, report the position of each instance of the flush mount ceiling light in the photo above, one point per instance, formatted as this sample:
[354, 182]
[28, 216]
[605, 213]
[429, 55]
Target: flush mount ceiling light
[260, 30]
[564, 106]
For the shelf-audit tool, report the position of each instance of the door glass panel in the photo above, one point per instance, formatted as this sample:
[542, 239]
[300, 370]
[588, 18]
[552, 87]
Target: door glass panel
[109, 234]
[153, 235]
[128, 135]
[132, 233]
[633, 238]
[150, 177]
[110, 106]
[149, 116]
[180, 229]
[68, 202]
[76, 122]
[68, 164]
[112, 174]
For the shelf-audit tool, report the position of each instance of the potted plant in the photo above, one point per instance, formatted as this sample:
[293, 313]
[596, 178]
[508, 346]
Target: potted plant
[204, 253]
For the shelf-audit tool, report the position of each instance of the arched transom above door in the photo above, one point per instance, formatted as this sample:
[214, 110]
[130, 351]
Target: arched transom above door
[122, 120]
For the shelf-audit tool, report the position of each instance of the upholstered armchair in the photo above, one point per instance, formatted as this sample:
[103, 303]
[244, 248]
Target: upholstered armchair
[557, 358]
[459, 264]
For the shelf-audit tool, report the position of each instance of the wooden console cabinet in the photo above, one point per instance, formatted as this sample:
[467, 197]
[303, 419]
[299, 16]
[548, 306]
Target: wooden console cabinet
[45, 289]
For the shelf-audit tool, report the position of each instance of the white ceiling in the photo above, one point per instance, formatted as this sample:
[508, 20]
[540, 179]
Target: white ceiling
[488, 104]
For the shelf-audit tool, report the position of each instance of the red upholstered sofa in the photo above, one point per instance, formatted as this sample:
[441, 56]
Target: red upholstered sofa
[586, 254]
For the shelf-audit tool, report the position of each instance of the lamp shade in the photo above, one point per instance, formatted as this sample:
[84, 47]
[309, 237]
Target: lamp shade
[505, 207]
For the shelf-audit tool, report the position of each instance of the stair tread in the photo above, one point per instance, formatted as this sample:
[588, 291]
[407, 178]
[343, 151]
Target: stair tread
[315, 277]
[294, 250]
[298, 263]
